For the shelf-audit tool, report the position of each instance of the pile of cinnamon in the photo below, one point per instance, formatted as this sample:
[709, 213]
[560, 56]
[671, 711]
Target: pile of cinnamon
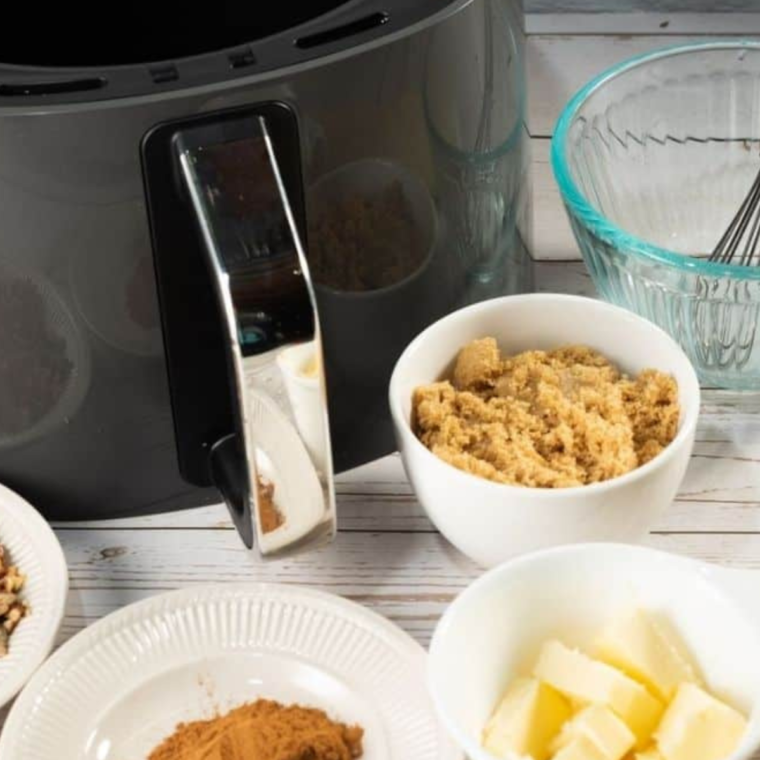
[263, 730]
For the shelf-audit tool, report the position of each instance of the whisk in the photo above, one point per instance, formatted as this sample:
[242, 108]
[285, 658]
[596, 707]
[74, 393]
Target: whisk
[739, 244]
[726, 311]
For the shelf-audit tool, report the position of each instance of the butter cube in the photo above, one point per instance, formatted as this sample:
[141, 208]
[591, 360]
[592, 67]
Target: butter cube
[602, 727]
[639, 647]
[580, 748]
[527, 719]
[579, 677]
[697, 726]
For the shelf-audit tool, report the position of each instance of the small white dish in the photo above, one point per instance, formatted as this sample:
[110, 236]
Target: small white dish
[492, 522]
[33, 547]
[307, 398]
[493, 631]
[192, 653]
[367, 178]
[347, 313]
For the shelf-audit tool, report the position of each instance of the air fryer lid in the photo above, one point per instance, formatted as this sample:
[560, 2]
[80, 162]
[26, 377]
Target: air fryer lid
[69, 37]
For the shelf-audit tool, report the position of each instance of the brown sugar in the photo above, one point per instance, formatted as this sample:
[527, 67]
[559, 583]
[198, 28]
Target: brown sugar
[271, 517]
[263, 730]
[546, 419]
[362, 243]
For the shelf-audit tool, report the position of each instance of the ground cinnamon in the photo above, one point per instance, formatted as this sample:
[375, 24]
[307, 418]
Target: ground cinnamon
[263, 730]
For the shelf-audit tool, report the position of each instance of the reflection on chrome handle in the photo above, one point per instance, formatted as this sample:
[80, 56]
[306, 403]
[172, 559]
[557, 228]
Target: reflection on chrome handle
[275, 472]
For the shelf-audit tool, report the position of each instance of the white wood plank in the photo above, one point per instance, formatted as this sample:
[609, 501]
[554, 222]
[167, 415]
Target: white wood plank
[646, 23]
[410, 578]
[553, 240]
[733, 506]
[559, 66]
[556, 6]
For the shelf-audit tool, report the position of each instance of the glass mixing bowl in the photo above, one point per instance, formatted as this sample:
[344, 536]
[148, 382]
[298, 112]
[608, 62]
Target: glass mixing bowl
[653, 160]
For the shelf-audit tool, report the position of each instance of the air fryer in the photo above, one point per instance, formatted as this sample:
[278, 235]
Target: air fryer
[197, 209]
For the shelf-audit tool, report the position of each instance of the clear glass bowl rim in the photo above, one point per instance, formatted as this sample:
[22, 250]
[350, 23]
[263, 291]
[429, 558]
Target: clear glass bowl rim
[599, 225]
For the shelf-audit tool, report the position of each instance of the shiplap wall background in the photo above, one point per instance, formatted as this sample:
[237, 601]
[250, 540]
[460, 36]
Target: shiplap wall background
[578, 6]
[571, 41]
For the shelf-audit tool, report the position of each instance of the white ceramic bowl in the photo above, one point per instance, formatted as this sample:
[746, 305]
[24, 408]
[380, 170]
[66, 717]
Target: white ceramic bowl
[491, 522]
[400, 308]
[368, 177]
[494, 630]
[61, 321]
[32, 546]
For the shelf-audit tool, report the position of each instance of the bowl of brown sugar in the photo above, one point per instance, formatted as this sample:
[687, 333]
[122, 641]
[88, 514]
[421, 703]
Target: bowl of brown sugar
[532, 421]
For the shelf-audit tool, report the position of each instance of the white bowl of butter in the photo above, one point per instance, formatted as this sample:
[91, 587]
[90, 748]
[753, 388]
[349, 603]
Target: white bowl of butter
[602, 652]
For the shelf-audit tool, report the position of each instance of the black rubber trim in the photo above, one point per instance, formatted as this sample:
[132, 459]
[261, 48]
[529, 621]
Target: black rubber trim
[239, 59]
[164, 73]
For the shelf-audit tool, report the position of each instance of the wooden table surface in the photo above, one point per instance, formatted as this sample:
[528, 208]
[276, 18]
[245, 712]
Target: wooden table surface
[387, 554]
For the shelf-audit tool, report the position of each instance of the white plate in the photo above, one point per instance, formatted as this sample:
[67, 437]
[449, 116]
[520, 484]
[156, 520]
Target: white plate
[34, 548]
[119, 687]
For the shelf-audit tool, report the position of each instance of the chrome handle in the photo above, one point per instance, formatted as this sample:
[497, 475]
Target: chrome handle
[275, 471]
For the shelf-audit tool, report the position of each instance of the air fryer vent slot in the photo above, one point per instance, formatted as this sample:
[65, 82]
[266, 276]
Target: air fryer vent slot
[162, 74]
[242, 58]
[24, 89]
[341, 32]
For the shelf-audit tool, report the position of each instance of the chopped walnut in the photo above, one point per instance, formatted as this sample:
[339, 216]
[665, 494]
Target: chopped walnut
[13, 609]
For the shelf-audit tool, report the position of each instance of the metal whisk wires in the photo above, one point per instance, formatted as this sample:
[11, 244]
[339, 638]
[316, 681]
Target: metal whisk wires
[739, 244]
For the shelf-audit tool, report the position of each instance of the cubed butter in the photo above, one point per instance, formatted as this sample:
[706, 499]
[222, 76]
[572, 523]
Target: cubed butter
[638, 646]
[697, 726]
[580, 748]
[602, 727]
[579, 677]
[526, 721]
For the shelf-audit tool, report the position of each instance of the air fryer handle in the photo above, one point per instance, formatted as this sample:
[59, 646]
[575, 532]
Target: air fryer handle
[275, 469]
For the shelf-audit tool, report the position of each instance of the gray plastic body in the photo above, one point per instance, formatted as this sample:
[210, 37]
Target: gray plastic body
[441, 101]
